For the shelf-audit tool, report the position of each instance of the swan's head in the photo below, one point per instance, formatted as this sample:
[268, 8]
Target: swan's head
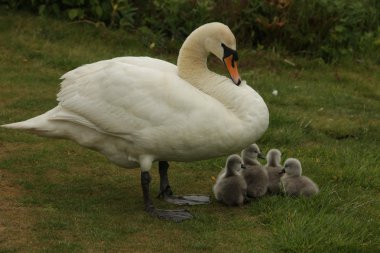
[274, 157]
[220, 41]
[233, 165]
[292, 167]
[251, 153]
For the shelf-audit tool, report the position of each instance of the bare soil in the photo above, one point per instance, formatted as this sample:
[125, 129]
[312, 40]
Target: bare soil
[15, 219]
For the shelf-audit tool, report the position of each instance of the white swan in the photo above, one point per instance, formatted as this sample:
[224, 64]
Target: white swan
[137, 110]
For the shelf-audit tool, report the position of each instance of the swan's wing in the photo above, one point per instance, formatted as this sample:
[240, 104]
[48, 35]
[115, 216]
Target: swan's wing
[148, 62]
[120, 98]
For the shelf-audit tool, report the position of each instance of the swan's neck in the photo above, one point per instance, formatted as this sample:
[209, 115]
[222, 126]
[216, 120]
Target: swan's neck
[273, 161]
[230, 172]
[192, 67]
[192, 64]
[250, 114]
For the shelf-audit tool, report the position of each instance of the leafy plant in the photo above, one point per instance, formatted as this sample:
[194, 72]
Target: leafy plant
[123, 14]
[330, 30]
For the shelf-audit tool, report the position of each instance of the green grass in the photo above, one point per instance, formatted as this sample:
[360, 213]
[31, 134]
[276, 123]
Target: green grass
[71, 199]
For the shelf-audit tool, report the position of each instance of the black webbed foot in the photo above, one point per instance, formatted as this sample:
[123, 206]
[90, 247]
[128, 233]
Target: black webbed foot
[167, 193]
[188, 200]
[171, 215]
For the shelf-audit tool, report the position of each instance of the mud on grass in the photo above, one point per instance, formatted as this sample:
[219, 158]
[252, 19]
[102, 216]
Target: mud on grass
[16, 224]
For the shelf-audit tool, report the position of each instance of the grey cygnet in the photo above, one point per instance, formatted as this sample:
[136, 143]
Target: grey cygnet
[254, 173]
[230, 187]
[274, 167]
[293, 183]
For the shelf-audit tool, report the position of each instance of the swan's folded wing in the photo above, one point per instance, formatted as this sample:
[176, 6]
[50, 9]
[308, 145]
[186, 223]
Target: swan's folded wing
[122, 98]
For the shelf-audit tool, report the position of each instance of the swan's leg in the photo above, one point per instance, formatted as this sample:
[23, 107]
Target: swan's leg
[174, 215]
[145, 182]
[167, 194]
[165, 190]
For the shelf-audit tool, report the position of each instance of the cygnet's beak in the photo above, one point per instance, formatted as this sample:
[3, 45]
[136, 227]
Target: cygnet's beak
[230, 59]
[243, 166]
[261, 156]
[282, 171]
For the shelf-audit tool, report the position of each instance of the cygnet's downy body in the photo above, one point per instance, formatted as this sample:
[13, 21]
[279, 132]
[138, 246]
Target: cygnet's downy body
[254, 173]
[293, 183]
[230, 187]
[274, 167]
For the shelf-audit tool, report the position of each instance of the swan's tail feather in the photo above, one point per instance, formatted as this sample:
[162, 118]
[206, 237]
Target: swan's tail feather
[33, 125]
[39, 125]
[56, 123]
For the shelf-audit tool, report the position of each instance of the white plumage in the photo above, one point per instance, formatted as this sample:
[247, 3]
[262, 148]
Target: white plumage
[130, 107]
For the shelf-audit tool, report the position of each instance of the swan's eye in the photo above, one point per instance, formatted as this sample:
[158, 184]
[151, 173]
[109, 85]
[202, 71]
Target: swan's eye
[228, 51]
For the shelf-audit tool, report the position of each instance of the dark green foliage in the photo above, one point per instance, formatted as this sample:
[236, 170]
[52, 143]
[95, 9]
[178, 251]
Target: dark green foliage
[318, 28]
[113, 13]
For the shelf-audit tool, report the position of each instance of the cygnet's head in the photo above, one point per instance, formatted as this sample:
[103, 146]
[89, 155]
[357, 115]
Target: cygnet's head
[292, 167]
[274, 157]
[233, 165]
[251, 153]
[218, 39]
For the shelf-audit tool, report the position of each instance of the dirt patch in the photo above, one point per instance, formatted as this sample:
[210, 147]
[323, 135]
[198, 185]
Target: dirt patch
[15, 219]
[7, 149]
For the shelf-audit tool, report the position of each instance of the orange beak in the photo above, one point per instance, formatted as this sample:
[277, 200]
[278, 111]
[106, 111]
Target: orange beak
[232, 68]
